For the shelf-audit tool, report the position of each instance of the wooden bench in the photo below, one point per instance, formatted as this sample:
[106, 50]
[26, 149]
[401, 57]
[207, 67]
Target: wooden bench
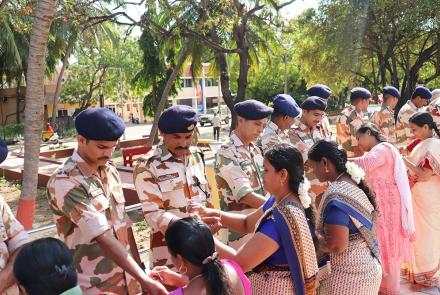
[204, 142]
[128, 153]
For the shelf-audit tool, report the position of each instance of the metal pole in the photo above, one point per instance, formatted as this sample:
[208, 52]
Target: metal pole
[121, 96]
[203, 89]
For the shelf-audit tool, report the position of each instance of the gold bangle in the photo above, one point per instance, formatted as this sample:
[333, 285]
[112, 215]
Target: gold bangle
[220, 214]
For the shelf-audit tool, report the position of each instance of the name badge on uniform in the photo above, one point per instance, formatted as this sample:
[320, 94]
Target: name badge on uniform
[96, 192]
[168, 176]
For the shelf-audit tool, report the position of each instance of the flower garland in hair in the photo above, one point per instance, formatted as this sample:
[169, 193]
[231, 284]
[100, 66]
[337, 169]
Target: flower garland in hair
[356, 173]
[303, 193]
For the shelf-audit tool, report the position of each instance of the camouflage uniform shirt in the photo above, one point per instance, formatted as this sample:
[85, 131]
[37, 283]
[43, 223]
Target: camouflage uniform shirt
[237, 173]
[271, 136]
[403, 131]
[325, 126]
[12, 237]
[86, 204]
[384, 120]
[347, 123]
[165, 185]
[302, 138]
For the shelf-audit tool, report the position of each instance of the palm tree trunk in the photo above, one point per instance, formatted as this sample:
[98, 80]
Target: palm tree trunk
[183, 55]
[56, 96]
[44, 14]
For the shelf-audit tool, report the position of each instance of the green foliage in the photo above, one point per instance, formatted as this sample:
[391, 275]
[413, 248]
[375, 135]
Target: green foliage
[12, 132]
[158, 61]
[268, 81]
[370, 43]
[98, 69]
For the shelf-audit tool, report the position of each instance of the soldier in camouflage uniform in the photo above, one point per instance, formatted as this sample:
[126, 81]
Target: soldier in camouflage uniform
[12, 238]
[324, 92]
[309, 131]
[85, 195]
[384, 118]
[238, 165]
[285, 110]
[170, 177]
[350, 119]
[419, 99]
[434, 106]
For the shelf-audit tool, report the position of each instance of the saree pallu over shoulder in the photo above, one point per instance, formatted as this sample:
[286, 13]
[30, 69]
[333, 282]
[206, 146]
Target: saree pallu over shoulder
[293, 228]
[428, 149]
[291, 222]
[352, 200]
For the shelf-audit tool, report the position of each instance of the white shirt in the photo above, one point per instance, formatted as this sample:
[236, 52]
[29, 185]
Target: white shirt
[216, 121]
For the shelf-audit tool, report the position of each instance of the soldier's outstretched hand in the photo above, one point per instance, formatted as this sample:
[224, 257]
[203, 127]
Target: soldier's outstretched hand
[200, 210]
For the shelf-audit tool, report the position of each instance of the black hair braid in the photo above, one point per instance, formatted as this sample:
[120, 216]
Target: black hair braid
[216, 278]
[181, 237]
[331, 151]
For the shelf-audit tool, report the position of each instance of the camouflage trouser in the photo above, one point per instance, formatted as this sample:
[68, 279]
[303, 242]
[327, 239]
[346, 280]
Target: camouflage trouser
[234, 239]
[159, 254]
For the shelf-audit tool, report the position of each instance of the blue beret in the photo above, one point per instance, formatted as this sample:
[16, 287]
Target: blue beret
[252, 109]
[391, 90]
[286, 105]
[320, 90]
[423, 92]
[99, 124]
[178, 119]
[314, 103]
[359, 92]
[3, 151]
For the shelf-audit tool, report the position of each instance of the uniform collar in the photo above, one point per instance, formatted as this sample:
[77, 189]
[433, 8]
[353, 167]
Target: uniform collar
[273, 126]
[237, 141]
[359, 112]
[84, 167]
[387, 107]
[412, 106]
[73, 291]
[165, 153]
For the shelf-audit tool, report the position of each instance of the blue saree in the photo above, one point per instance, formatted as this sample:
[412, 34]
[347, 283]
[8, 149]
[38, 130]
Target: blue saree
[297, 244]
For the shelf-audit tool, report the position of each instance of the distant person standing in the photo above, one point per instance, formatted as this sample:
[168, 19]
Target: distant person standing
[216, 124]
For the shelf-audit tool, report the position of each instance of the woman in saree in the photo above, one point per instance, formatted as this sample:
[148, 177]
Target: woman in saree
[280, 257]
[345, 226]
[423, 164]
[386, 176]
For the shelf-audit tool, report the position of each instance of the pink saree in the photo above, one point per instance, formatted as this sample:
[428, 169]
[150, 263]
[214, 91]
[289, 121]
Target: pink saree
[386, 176]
